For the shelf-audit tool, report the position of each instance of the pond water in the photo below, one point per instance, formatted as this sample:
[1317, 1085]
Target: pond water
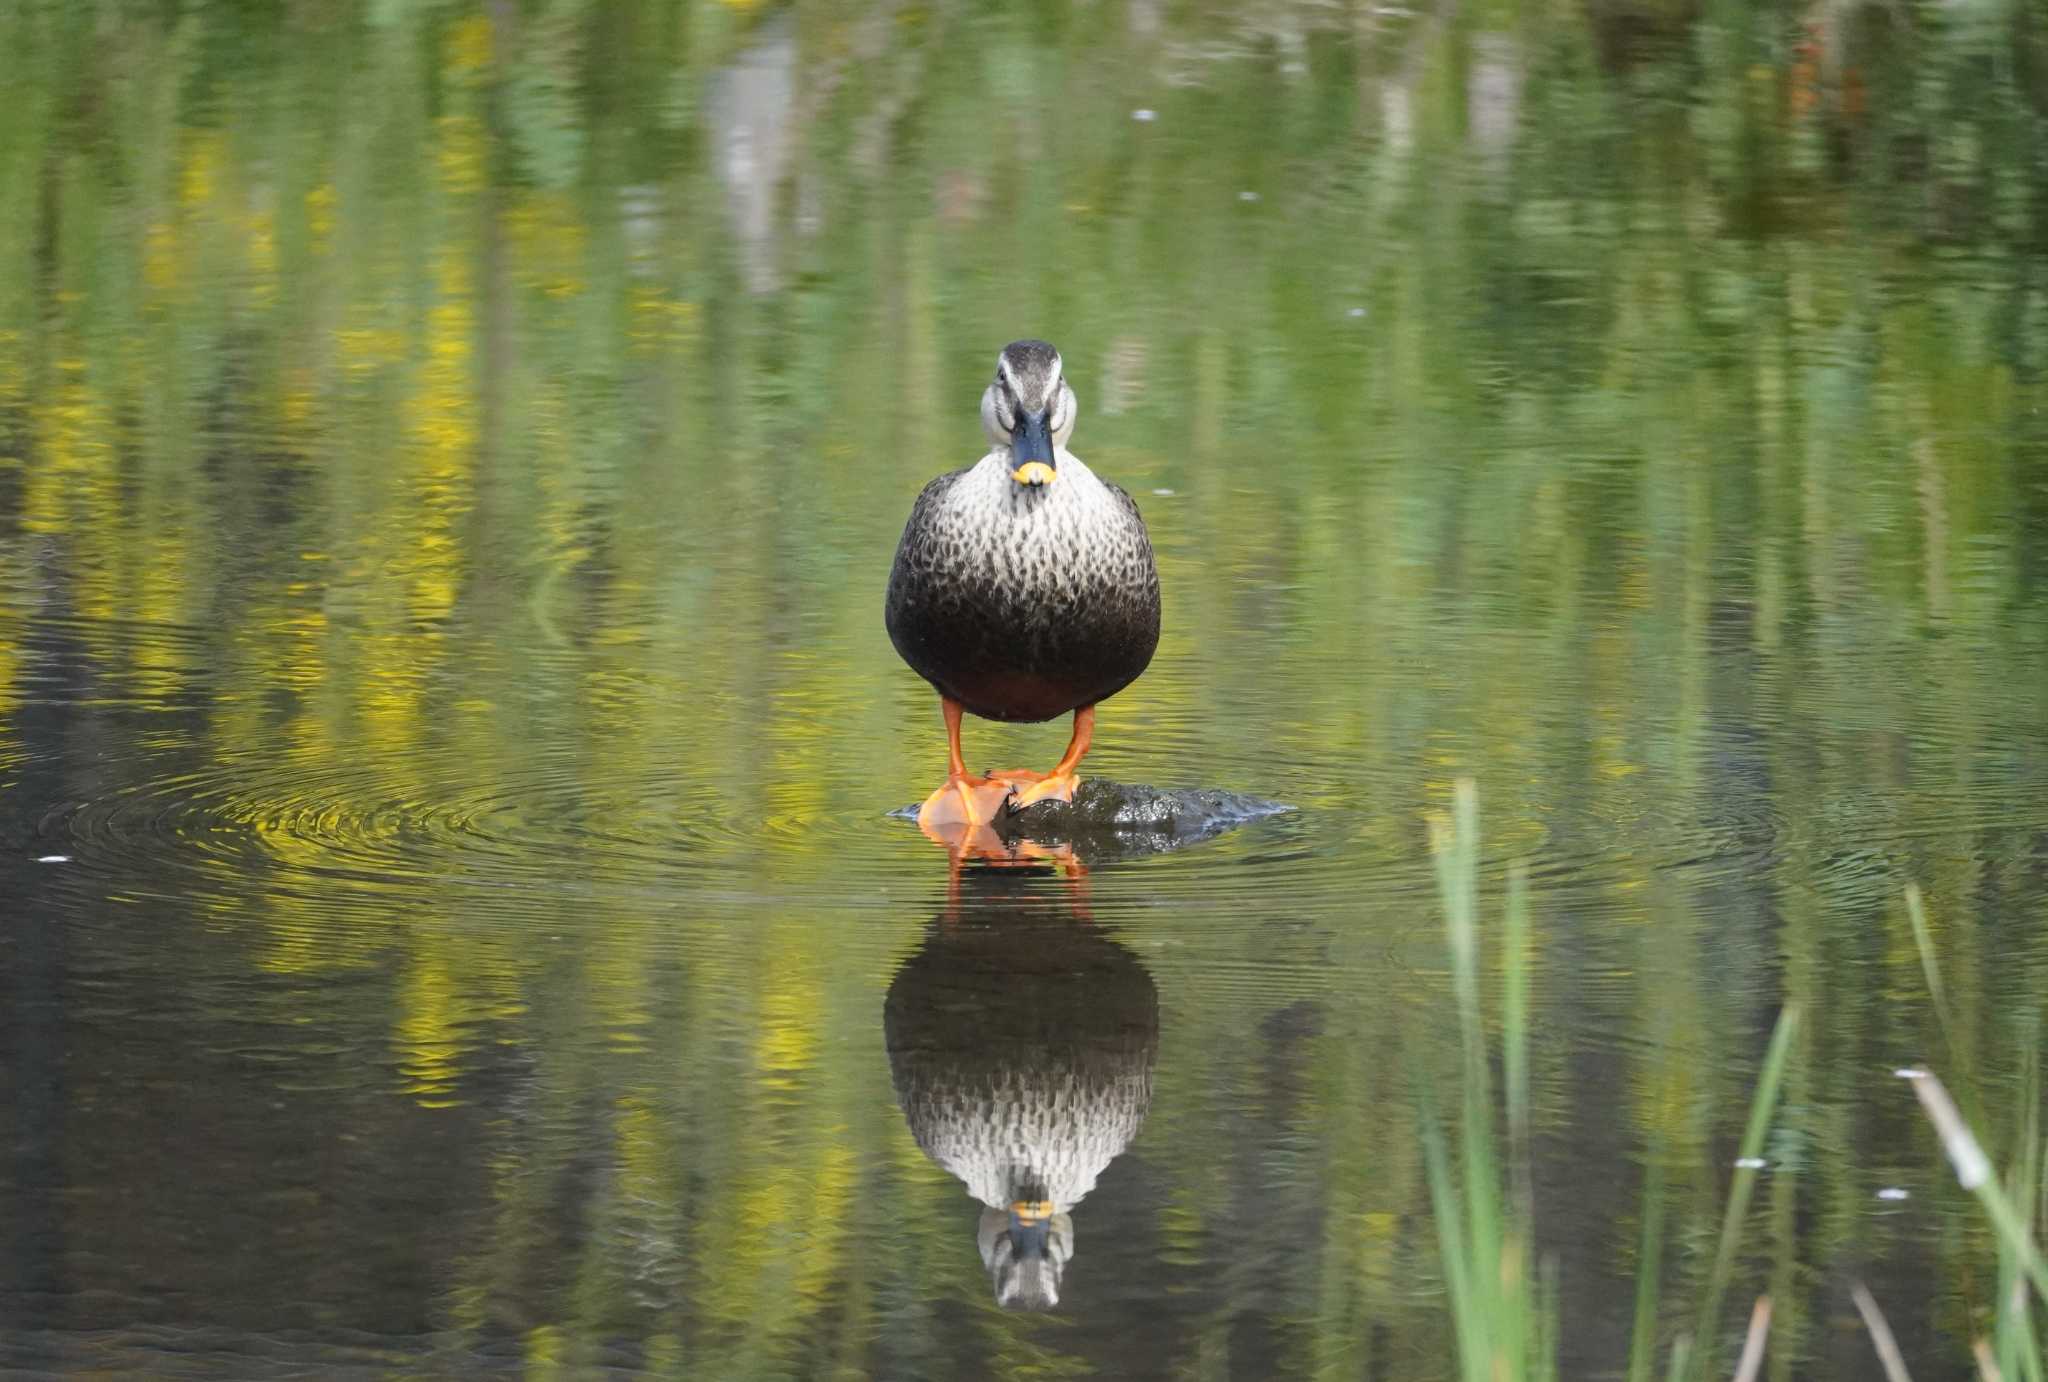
[450, 459]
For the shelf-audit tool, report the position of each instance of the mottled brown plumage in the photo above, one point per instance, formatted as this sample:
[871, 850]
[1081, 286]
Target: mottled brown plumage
[1025, 604]
[1022, 1054]
[1024, 586]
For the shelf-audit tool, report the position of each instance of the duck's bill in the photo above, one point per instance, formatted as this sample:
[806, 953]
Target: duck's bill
[1031, 1211]
[1031, 453]
[1030, 1229]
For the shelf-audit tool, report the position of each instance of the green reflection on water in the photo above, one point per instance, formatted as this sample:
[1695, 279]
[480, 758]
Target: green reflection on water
[449, 460]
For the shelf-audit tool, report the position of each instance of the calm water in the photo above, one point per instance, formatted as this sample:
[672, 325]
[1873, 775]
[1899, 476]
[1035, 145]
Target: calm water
[450, 456]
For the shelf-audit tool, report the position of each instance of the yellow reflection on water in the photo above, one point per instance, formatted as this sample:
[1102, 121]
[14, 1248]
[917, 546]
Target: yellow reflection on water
[398, 522]
[425, 1042]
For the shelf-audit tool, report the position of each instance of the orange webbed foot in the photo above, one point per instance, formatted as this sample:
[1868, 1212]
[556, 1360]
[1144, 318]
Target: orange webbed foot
[1059, 784]
[1054, 786]
[964, 801]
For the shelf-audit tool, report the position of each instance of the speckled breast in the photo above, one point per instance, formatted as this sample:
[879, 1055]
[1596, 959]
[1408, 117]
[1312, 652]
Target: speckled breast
[1025, 605]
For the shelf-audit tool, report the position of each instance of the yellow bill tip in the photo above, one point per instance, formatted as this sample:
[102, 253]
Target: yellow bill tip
[1031, 1211]
[1033, 473]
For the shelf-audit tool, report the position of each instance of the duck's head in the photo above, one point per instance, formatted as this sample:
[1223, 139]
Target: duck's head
[1025, 1249]
[1029, 410]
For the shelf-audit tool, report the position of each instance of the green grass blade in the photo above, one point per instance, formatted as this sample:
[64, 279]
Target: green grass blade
[1681, 1355]
[1973, 1173]
[1468, 1307]
[1503, 1318]
[1923, 941]
[1761, 1106]
[1545, 1362]
[1642, 1344]
[1515, 1011]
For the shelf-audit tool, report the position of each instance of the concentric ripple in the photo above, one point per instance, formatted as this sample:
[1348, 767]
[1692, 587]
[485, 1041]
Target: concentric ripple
[370, 824]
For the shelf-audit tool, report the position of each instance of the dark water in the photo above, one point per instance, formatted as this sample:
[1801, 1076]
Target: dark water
[450, 457]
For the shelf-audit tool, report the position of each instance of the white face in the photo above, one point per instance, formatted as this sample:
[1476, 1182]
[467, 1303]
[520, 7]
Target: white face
[1000, 405]
[1030, 378]
[1063, 409]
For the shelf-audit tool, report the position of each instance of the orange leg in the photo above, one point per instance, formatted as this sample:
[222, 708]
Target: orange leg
[964, 800]
[1059, 784]
[956, 762]
[981, 845]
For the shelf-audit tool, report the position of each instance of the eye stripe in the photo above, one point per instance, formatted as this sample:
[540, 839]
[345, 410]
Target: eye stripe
[1032, 361]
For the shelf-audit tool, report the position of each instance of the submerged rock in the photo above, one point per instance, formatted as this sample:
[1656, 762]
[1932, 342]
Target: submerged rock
[1123, 818]
[1181, 813]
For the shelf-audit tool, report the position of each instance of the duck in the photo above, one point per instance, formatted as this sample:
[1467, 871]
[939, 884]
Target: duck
[1024, 588]
[1022, 1047]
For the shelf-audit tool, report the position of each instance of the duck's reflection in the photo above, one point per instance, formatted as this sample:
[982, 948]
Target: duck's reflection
[1000, 844]
[1021, 1043]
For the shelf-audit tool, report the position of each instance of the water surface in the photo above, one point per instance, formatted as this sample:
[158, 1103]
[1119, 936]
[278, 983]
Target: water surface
[450, 456]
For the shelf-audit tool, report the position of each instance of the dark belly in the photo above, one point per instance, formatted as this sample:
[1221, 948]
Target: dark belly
[1008, 658]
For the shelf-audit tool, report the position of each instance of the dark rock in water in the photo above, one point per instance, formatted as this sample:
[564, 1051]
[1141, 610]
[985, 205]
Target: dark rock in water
[1123, 818]
[1119, 806]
